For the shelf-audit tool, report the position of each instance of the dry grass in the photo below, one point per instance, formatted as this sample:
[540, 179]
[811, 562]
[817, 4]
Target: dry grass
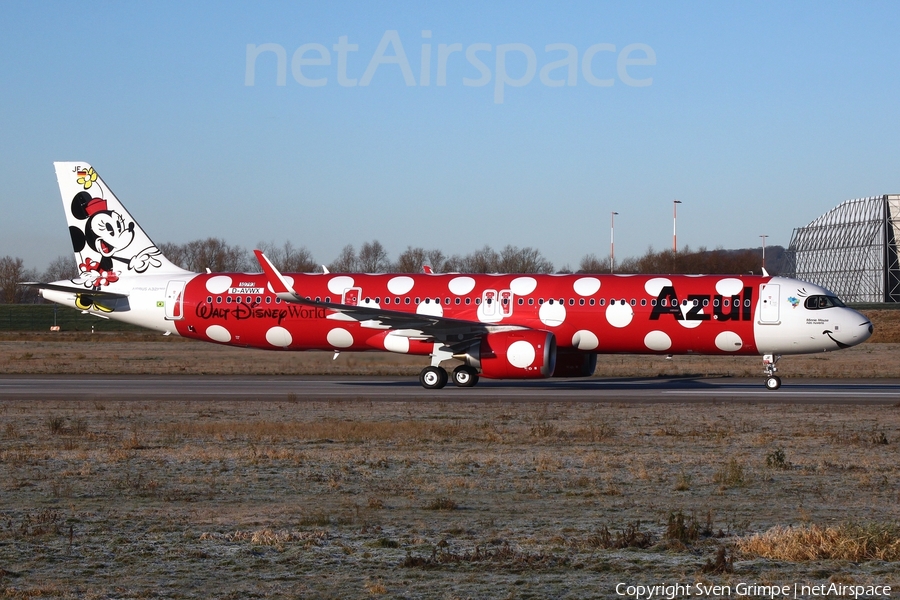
[342, 499]
[850, 542]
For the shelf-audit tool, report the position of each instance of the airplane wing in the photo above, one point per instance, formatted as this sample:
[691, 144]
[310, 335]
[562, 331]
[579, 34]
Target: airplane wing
[425, 327]
[73, 289]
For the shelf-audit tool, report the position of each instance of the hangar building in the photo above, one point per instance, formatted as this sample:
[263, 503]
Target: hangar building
[852, 250]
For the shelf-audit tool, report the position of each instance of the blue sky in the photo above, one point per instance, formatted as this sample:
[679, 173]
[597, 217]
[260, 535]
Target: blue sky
[757, 116]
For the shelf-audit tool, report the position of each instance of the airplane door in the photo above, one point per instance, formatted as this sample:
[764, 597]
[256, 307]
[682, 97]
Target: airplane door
[769, 295]
[489, 302]
[175, 301]
[351, 296]
[506, 302]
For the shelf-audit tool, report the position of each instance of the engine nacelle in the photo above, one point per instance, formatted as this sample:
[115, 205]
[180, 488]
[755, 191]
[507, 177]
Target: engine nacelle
[575, 364]
[525, 354]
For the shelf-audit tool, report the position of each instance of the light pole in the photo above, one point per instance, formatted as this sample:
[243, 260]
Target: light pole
[764, 251]
[612, 242]
[675, 204]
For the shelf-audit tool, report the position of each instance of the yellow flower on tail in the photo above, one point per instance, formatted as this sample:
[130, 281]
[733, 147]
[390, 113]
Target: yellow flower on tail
[88, 179]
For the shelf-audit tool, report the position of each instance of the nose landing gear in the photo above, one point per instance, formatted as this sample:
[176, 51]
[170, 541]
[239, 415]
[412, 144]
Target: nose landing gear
[773, 381]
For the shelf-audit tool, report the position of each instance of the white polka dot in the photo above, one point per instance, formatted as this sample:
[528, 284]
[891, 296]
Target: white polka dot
[340, 338]
[520, 354]
[657, 341]
[685, 309]
[218, 334]
[522, 286]
[461, 285]
[618, 314]
[337, 285]
[655, 285]
[729, 287]
[287, 279]
[279, 336]
[433, 309]
[587, 286]
[585, 340]
[728, 341]
[552, 315]
[396, 343]
[489, 313]
[218, 284]
[400, 285]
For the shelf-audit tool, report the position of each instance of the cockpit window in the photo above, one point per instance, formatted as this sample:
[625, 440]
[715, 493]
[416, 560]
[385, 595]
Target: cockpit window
[820, 302]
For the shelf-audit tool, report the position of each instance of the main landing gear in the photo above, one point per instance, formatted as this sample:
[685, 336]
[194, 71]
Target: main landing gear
[434, 378]
[773, 381]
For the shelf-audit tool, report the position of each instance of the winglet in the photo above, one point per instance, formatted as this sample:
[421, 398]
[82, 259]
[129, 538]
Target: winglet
[428, 270]
[276, 279]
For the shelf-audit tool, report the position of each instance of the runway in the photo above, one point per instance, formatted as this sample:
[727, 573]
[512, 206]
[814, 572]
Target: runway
[620, 390]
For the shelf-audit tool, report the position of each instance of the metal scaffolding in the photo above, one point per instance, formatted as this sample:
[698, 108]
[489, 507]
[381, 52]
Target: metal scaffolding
[852, 250]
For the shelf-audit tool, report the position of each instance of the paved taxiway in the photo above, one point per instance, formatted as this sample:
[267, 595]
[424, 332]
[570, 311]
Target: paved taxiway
[627, 390]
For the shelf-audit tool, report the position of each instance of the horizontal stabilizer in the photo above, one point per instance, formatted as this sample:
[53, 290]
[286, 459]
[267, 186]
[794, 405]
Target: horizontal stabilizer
[73, 289]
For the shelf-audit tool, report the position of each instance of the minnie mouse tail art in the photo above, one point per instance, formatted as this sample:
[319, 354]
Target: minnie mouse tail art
[502, 326]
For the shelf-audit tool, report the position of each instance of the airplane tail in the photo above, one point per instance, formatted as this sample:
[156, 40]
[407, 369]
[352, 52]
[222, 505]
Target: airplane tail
[107, 241]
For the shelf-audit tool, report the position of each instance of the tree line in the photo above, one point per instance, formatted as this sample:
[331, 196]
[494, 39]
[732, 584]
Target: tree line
[217, 255]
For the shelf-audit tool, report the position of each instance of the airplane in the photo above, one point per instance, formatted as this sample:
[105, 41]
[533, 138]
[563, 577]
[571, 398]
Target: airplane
[499, 326]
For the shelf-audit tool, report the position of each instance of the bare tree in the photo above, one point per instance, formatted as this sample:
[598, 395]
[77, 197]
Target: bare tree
[591, 264]
[523, 260]
[212, 253]
[412, 260]
[12, 272]
[288, 258]
[346, 261]
[373, 258]
[61, 267]
[176, 253]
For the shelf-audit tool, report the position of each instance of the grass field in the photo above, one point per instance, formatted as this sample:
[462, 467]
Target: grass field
[484, 500]
[358, 499]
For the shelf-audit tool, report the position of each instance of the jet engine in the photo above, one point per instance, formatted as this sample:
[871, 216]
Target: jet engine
[575, 364]
[527, 354]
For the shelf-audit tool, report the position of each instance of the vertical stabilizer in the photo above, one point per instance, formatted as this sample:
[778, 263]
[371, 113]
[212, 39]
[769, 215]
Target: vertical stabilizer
[108, 242]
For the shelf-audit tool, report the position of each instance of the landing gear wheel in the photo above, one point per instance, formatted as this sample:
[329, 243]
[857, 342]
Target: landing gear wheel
[433, 378]
[773, 382]
[465, 376]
